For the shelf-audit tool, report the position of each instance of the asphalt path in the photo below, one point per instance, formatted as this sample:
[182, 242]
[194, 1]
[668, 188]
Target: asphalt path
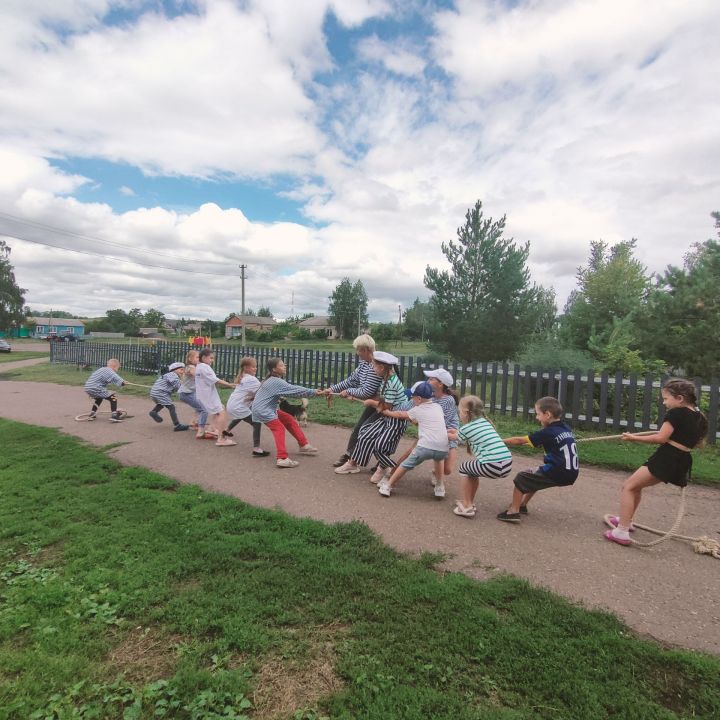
[668, 592]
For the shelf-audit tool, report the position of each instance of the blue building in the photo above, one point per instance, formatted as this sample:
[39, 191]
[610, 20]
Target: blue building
[45, 326]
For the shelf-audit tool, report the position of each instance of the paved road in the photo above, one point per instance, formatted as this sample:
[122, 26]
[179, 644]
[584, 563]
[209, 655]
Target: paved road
[668, 592]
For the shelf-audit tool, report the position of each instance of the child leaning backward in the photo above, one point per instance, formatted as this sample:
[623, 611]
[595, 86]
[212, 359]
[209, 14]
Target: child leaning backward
[161, 392]
[239, 404]
[96, 388]
[560, 466]
[432, 441]
[265, 409]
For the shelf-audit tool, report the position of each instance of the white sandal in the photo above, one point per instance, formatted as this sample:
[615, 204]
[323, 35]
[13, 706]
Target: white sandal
[462, 511]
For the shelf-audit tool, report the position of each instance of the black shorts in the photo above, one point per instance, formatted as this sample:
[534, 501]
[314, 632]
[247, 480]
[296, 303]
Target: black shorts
[670, 465]
[527, 482]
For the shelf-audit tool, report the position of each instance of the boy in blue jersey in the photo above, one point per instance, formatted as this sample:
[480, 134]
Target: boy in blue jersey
[560, 464]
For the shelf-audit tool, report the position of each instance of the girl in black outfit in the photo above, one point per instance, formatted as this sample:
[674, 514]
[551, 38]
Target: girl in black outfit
[683, 428]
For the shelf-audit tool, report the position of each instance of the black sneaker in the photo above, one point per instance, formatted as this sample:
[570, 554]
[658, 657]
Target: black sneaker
[523, 510]
[115, 417]
[341, 460]
[180, 427]
[505, 516]
[155, 416]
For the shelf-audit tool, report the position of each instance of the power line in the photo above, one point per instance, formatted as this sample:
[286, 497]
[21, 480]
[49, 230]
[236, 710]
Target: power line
[117, 259]
[92, 238]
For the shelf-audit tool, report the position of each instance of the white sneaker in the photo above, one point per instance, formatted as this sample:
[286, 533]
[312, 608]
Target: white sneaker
[225, 442]
[384, 488]
[440, 489]
[287, 463]
[380, 474]
[308, 450]
[348, 469]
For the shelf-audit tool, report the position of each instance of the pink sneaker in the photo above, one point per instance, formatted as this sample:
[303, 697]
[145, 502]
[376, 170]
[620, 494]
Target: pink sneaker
[620, 541]
[614, 520]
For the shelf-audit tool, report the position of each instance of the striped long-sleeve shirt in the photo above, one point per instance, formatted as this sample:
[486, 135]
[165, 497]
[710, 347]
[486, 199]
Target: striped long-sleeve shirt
[450, 413]
[96, 384]
[267, 397]
[362, 383]
[163, 388]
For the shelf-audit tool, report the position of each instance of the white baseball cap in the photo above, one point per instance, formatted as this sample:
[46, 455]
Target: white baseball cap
[442, 375]
[385, 357]
[176, 366]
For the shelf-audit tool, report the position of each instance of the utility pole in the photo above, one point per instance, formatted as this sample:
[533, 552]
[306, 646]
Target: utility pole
[399, 326]
[359, 313]
[242, 306]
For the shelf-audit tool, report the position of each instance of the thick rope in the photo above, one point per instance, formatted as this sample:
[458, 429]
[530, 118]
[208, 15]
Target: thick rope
[138, 385]
[613, 437]
[702, 545]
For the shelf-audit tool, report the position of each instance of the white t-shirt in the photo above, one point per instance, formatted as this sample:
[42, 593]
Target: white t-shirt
[432, 433]
[205, 391]
[239, 404]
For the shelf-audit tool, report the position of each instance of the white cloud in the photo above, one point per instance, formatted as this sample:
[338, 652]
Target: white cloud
[127, 191]
[397, 60]
[578, 119]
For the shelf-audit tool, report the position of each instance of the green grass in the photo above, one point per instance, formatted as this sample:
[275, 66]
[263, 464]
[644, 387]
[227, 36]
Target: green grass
[610, 454]
[21, 355]
[125, 595]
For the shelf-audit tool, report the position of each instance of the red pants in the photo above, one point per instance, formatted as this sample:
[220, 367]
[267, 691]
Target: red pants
[277, 428]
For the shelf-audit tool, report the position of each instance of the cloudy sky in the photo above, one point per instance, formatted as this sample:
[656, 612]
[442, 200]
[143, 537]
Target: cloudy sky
[150, 147]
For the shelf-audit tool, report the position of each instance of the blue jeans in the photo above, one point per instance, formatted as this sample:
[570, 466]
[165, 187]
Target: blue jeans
[191, 400]
[420, 454]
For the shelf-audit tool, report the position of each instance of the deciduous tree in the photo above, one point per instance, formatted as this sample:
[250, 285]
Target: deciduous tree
[348, 307]
[12, 297]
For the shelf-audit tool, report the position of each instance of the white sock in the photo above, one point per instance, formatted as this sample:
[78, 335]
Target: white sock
[621, 533]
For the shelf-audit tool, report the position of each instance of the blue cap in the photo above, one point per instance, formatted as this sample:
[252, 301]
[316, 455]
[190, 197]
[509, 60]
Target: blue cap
[423, 390]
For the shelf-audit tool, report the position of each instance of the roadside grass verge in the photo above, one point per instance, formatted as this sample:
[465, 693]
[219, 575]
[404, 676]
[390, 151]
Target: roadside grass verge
[21, 355]
[126, 595]
[609, 454]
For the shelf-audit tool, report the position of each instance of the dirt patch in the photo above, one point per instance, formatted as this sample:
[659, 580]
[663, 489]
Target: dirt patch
[186, 585]
[144, 655]
[51, 555]
[285, 685]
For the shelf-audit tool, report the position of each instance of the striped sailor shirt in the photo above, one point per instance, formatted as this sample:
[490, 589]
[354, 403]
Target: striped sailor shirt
[450, 413]
[267, 397]
[163, 388]
[362, 383]
[484, 442]
[393, 392]
[96, 385]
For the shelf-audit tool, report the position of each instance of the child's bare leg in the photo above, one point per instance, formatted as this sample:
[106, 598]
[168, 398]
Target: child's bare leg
[517, 497]
[449, 463]
[526, 498]
[631, 494]
[438, 470]
[397, 474]
[469, 487]
[406, 454]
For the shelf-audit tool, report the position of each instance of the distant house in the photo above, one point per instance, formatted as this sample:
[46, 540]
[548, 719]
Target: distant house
[45, 326]
[234, 326]
[320, 322]
[192, 328]
[149, 332]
